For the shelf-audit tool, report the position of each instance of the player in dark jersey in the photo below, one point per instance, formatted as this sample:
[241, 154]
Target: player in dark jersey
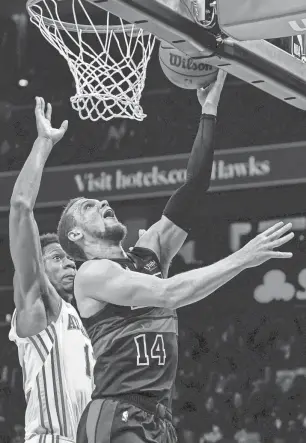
[135, 342]
[136, 351]
[130, 313]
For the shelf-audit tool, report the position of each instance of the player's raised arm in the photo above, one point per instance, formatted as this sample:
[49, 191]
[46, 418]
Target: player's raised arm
[106, 281]
[24, 236]
[167, 236]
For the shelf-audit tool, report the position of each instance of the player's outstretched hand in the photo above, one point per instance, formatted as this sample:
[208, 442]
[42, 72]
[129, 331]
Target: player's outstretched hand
[262, 248]
[43, 122]
[209, 97]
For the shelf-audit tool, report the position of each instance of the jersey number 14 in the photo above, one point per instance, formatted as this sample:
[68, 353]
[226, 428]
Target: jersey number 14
[157, 351]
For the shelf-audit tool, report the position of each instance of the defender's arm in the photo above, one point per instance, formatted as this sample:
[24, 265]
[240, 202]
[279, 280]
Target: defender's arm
[24, 236]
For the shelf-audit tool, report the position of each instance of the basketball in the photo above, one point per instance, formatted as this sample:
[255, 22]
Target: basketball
[184, 72]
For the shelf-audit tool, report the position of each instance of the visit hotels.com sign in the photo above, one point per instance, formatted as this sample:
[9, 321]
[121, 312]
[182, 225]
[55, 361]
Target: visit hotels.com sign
[241, 168]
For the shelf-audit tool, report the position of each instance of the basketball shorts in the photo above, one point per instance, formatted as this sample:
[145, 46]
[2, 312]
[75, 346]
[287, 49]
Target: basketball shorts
[128, 419]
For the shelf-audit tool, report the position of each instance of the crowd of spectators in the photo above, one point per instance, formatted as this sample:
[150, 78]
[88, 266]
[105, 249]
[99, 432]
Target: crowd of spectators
[241, 384]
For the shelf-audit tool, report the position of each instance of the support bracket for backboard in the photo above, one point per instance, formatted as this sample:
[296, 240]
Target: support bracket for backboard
[256, 62]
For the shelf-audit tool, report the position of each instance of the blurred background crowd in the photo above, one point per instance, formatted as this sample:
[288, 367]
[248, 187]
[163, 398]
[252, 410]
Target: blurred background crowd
[242, 369]
[242, 386]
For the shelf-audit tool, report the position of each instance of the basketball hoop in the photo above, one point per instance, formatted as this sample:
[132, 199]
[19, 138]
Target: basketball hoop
[108, 62]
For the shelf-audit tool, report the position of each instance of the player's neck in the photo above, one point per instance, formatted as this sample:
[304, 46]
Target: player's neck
[66, 296]
[102, 250]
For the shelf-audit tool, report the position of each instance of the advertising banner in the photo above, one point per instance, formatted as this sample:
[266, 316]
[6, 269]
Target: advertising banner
[241, 168]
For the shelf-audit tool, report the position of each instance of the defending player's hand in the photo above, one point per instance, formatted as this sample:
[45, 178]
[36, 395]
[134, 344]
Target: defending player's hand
[209, 97]
[262, 248]
[43, 122]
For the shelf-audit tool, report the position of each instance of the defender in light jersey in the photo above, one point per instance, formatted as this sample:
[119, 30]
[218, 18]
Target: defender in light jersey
[54, 350]
[129, 313]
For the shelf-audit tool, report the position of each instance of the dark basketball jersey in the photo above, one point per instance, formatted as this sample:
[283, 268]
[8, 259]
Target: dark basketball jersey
[135, 348]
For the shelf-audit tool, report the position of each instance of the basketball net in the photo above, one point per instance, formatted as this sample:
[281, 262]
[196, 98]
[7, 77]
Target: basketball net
[107, 85]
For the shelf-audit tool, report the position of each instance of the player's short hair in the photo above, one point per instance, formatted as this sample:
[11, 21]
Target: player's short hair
[48, 239]
[66, 224]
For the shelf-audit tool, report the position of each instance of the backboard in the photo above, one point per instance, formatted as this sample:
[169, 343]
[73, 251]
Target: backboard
[261, 19]
[189, 8]
[256, 62]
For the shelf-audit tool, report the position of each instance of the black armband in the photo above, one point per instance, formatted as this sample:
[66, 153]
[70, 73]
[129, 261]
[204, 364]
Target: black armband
[181, 209]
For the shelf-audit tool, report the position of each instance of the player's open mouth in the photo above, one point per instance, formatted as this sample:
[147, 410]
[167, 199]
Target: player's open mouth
[108, 213]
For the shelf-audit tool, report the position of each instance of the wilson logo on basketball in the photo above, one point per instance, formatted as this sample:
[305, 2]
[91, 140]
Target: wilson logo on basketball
[179, 61]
